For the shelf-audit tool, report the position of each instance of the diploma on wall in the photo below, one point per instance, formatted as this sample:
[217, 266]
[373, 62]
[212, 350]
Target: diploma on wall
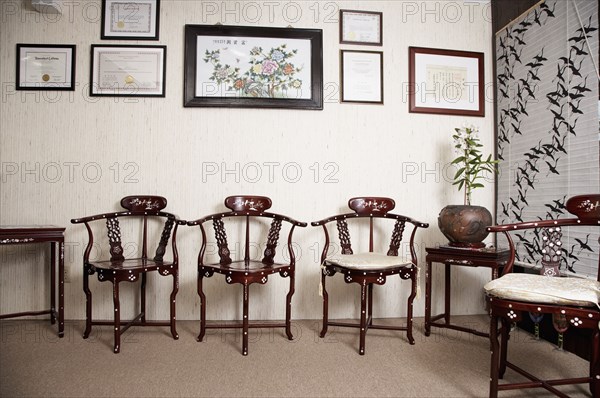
[45, 67]
[362, 76]
[124, 19]
[128, 70]
[361, 27]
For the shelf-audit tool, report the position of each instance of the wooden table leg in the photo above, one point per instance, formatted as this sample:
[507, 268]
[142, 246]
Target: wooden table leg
[53, 268]
[428, 299]
[61, 288]
[447, 294]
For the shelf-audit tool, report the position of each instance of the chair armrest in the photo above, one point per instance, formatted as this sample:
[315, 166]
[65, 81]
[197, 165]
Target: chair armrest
[536, 224]
[237, 214]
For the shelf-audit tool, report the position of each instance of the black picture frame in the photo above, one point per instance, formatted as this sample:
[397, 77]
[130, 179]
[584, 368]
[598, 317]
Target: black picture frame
[214, 77]
[445, 63]
[133, 11]
[60, 67]
[124, 79]
[362, 94]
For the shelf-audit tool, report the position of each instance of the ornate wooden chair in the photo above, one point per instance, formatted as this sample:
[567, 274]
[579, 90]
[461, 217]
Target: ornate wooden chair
[369, 268]
[570, 301]
[246, 271]
[120, 269]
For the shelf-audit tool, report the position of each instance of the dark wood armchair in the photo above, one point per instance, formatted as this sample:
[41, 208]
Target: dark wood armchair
[247, 270]
[570, 302]
[118, 268]
[369, 268]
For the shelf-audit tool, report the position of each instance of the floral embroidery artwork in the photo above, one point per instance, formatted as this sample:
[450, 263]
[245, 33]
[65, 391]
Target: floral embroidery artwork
[254, 67]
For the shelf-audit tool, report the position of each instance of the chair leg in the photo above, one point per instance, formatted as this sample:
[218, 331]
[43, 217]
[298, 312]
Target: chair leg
[363, 317]
[494, 347]
[172, 298]
[88, 302]
[370, 304]
[245, 321]
[288, 308]
[202, 309]
[52, 283]
[325, 306]
[117, 323]
[409, 309]
[143, 298]
[505, 336]
[595, 364]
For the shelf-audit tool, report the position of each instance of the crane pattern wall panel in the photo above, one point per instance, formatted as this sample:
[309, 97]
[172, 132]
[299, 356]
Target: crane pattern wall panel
[547, 109]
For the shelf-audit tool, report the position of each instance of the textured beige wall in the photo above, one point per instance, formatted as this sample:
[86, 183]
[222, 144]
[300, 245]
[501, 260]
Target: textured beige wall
[67, 155]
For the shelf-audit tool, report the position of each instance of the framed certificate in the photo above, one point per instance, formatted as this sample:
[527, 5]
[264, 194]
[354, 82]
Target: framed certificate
[362, 76]
[128, 71]
[445, 82]
[45, 67]
[361, 27]
[130, 19]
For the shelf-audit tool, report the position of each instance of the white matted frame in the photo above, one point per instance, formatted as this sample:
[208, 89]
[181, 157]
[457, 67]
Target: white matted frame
[128, 71]
[45, 67]
[361, 76]
[446, 82]
[361, 27]
[130, 19]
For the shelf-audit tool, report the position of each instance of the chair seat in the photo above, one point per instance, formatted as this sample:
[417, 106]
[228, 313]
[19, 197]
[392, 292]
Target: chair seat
[367, 261]
[130, 264]
[249, 267]
[546, 290]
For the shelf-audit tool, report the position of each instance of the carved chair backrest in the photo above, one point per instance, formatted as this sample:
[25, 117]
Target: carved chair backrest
[136, 206]
[372, 208]
[248, 207]
[551, 247]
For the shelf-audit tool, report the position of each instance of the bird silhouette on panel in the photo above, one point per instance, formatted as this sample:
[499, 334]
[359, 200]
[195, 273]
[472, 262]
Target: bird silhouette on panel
[582, 88]
[517, 56]
[575, 107]
[540, 57]
[533, 75]
[517, 128]
[584, 245]
[558, 115]
[571, 255]
[576, 71]
[554, 209]
[505, 209]
[522, 197]
[579, 51]
[560, 146]
[552, 167]
[545, 9]
[530, 182]
[587, 29]
[560, 73]
[532, 166]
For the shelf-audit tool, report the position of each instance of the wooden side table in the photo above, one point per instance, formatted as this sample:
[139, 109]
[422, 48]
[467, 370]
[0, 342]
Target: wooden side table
[493, 258]
[16, 235]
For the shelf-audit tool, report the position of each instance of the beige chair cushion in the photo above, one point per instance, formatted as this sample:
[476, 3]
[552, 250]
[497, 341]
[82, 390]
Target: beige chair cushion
[546, 290]
[367, 261]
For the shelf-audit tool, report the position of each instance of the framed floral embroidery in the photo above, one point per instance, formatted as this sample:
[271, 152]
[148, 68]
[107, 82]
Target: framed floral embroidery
[253, 67]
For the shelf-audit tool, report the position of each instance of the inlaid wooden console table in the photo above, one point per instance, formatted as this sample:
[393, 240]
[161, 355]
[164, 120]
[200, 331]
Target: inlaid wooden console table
[493, 258]
[17, 235]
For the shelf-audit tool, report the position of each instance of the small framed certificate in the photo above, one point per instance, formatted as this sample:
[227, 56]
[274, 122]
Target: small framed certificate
[128, 71]
[45, 67]
[130, 19]
[361, 27]
[362, 76]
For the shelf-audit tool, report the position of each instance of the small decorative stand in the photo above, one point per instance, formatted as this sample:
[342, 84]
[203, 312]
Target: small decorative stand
[493, 258]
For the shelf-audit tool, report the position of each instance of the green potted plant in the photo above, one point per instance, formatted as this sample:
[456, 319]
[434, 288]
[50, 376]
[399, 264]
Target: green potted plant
[465, 225]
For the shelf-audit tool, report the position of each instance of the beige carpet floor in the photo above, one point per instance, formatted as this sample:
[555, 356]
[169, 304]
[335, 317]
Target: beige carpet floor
[35, 363]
